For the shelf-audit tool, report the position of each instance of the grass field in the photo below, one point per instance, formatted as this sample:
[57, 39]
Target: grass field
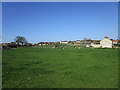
[33, 67]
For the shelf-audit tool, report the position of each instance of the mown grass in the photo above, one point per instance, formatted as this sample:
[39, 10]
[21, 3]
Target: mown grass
[60, 68]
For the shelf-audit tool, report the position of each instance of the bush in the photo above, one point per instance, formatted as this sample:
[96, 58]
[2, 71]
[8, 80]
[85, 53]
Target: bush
[6, 47]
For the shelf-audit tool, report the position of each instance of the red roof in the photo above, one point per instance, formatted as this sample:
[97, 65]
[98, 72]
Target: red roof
[3, 44]
[114, 40]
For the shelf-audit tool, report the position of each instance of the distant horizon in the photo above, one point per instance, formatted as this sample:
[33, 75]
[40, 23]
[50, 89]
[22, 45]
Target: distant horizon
[63, 40]
[59, 21]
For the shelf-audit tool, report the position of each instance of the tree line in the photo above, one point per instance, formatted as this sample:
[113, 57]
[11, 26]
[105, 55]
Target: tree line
[19, 41]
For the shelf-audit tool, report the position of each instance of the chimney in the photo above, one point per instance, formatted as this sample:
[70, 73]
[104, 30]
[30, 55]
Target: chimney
[106, 37]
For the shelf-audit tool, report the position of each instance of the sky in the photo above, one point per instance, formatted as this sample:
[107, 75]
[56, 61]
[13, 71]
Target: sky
[59, 21]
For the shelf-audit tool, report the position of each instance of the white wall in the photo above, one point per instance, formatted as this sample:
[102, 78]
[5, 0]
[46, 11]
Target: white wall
[63, 42]
[106, 43]
[114, 42]
[95, 45]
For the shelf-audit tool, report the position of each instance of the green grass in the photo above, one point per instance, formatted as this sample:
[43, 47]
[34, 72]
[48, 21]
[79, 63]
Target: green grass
[35, 67]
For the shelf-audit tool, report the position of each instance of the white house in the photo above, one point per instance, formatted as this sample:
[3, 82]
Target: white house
[106, 43]
[115, 41]
[95, 45]
[63, 42]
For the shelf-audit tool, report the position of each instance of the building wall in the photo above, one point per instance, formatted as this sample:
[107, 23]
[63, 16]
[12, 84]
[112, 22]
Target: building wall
[106, 43]
[95, 45]
[114, 42]
[63, 42]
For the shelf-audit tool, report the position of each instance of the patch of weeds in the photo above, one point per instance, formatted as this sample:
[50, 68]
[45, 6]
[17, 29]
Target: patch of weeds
[27, 64]
[113, 62]
[67, 73]
[39, 62]
[31, 63]
[81, 79]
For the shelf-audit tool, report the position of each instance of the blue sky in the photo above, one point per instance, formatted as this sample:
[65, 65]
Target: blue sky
[56, 21]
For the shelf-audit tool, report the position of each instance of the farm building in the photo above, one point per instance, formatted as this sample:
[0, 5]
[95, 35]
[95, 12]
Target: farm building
[96, 44]
[115, 41]
[87, 43]
[43, 43]
[63, 42]
[106, 43]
